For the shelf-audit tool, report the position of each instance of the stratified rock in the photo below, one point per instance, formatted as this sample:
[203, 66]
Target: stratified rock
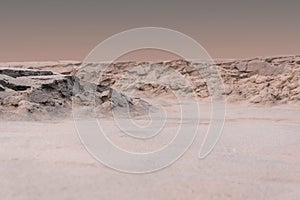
[14, 84]
[271, 80]
[21, 72]
[30, 94]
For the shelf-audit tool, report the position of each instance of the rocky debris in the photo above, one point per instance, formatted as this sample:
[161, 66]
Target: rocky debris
[34, 94]
[271, 80]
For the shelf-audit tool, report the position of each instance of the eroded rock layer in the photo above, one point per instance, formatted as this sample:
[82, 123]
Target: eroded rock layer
[38, 94]
[30, 88]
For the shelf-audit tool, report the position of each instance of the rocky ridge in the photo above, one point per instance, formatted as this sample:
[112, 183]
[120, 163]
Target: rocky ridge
[270, 80]
[31, 88]
[40, 94]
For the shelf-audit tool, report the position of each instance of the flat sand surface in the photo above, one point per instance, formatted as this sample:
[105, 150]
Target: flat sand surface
[257, 157]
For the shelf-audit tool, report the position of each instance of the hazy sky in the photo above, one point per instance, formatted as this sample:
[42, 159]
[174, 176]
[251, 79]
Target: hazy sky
[33, 30]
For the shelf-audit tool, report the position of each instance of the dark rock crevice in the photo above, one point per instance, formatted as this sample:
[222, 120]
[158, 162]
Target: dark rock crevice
[22, 72]
[13, 86]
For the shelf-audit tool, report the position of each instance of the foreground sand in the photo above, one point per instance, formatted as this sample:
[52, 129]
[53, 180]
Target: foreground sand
[257, 157]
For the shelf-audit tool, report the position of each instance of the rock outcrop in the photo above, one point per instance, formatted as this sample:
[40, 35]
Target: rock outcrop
[31, 89]
[38, 94]
[272, 80]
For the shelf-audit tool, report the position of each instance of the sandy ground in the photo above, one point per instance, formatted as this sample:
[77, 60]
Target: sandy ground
[257, 157]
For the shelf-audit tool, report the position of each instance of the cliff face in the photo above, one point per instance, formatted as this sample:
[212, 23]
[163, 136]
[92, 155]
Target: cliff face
[272, 80]
[48, 87]
[263, 80]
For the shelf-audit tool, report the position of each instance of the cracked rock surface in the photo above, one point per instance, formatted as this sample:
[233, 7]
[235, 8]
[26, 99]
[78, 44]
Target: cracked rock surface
[270, 80]
[37, 94]
[36, 89]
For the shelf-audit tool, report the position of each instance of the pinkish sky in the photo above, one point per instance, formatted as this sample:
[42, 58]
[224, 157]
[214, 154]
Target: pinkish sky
[36, 30]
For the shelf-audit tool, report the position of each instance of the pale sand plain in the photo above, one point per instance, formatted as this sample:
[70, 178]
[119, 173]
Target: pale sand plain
[257, 157]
